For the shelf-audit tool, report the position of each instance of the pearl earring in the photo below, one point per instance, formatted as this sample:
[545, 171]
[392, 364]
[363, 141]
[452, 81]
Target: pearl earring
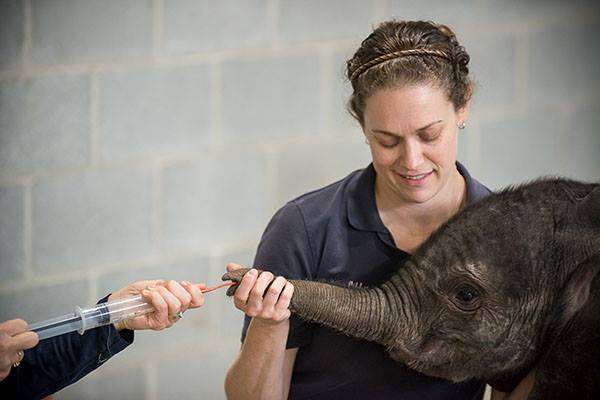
[462, 125]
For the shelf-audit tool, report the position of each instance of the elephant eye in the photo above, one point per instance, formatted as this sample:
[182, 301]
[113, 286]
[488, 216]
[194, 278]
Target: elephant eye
[467, 298]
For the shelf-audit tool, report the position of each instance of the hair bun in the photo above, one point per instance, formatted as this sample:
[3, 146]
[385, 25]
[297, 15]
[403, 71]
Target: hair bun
[461, 59]
[446, 31]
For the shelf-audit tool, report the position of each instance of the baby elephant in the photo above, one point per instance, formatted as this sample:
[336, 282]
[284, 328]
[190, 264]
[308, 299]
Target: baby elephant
[509, 284]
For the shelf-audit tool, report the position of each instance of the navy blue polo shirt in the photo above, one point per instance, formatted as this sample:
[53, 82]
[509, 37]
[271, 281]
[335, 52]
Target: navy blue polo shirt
[335, 234]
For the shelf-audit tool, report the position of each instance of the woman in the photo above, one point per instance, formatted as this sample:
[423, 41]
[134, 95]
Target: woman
[61, 361]
[411, 93]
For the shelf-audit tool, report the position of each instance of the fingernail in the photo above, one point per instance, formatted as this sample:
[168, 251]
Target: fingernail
[252, 272]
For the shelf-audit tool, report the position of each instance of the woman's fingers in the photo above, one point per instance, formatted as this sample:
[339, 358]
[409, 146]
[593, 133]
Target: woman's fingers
[272, 295]
[240, 297]
[255, 300]
[262, 295]
[283, 304]
[233, 266]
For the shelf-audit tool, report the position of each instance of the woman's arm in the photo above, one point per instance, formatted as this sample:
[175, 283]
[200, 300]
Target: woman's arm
[263, 368]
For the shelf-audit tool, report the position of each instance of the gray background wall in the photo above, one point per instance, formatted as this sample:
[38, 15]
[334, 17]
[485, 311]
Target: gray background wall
[155, 138]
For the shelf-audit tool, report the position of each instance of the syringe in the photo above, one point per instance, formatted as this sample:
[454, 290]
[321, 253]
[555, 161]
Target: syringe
[101, 314]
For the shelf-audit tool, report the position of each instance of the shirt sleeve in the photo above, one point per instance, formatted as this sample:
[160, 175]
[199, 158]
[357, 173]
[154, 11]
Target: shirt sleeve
[61, 361]
[284, 250]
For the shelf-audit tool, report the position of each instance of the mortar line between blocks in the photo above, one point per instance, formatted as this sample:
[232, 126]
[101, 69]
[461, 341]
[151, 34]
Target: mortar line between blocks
[27, 34]
[198, 58]
[273, 12]
[522, 59]
[325, 91]
[272, 184]
[158, 31]
[157, 202]
[94, 132]
[151, 375]
[92, 281]
[216, 117]
[27, 230]
[475, 145]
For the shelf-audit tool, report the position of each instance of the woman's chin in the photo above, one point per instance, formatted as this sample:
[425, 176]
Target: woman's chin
[415, 194]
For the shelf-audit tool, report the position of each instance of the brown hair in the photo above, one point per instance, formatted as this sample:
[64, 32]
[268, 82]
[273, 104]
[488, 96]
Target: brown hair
[408, 52]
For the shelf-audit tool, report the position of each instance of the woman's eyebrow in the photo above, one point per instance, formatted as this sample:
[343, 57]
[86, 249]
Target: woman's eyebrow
[396, 135]
[429, 125]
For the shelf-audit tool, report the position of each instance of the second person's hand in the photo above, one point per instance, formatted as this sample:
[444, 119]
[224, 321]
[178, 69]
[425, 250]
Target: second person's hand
[14, 339]
[169, 299]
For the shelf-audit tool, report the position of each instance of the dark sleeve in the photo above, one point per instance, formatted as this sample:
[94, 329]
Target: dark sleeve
[284, 250]
[61, 361]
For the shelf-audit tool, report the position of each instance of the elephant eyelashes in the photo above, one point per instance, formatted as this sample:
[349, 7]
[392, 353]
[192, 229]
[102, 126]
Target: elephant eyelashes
[467, 298]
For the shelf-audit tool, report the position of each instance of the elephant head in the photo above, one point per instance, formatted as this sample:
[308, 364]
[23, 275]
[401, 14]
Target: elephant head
[487, 294]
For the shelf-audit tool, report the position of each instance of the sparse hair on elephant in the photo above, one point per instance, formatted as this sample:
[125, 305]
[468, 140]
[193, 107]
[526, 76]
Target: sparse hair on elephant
[507, 285]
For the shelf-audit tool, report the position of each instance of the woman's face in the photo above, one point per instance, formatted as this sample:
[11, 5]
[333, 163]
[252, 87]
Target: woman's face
[412, 135]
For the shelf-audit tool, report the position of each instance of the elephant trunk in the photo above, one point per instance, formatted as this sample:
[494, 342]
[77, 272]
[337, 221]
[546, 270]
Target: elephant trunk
[358, 312]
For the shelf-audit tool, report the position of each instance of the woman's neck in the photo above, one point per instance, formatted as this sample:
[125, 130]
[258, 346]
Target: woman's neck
[422, 217]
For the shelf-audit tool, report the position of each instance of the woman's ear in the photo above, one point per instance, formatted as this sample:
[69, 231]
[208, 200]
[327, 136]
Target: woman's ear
[462, 115]
[365, 134]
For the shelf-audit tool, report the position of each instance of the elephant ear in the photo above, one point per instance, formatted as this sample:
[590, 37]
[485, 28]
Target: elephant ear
[577, 289]
[587, 211]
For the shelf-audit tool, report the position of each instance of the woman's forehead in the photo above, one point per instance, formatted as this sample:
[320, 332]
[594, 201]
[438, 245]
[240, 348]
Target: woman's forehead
[412, 106]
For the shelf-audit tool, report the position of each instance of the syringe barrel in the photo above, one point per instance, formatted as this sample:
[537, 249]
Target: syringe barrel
[112, 312]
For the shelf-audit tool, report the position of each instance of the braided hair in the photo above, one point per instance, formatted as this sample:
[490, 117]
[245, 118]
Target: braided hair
[408, 52]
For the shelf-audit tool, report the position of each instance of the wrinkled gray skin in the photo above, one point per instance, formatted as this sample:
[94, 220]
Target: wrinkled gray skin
[508, 284]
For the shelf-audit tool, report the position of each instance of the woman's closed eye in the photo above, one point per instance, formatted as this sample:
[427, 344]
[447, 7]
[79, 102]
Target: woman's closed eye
[386, 140]
[429, 136]
[388, 143]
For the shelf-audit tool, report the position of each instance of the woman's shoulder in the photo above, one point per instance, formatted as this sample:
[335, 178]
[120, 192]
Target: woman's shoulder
[475, 189]
[318, 207]
[328, 197]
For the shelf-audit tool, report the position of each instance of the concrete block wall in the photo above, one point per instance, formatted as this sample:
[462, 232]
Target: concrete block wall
[155, 138]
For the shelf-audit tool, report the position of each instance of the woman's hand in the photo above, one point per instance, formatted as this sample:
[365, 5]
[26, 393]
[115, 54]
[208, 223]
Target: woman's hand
[14, 338]
[262, 296]
[169, 298]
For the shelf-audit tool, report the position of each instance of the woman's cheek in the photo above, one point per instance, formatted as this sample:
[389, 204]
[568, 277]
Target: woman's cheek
[384, 157]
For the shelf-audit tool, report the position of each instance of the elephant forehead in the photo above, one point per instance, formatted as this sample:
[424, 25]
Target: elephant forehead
[477, 270]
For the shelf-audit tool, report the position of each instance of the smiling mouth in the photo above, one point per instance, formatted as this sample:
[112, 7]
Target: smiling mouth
[415, 177]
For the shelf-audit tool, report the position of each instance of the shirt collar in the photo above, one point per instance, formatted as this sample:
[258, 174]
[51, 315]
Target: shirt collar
[362, 209]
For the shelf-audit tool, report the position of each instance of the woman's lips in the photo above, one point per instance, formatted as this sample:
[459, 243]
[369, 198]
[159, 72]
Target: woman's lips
[415, 179]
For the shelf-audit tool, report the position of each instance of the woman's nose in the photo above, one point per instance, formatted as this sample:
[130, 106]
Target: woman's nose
[412, 156]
